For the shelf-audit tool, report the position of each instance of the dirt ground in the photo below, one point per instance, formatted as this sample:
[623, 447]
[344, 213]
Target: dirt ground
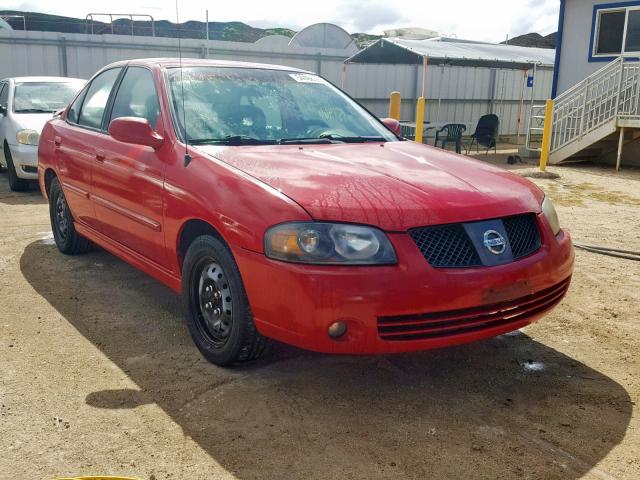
[99, 376]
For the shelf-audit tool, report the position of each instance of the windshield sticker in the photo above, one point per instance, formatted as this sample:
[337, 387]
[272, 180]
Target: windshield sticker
[306, 78]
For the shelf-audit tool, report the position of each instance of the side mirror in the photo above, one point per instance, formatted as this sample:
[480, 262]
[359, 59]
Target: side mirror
[3, 110]
[392, 124]
[137, 131]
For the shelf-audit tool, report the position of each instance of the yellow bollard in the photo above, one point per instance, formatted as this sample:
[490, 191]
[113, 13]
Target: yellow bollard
[394, 105]
[419, 119]
[546, 135]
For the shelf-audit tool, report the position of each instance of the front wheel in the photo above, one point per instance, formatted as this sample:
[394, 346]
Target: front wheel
[218, 313]
[64, 232]
[16, 184]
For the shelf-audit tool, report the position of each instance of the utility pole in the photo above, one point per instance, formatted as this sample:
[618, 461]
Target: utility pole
[207, 30]
[207, 27]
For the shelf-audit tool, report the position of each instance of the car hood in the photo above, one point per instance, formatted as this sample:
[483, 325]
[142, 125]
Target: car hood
[395, 185]
[31, 121]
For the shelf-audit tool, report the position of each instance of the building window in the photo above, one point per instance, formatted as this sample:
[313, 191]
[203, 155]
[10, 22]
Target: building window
[617, 31]
[632, 43]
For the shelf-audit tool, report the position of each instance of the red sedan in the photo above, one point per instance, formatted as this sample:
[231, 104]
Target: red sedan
[280, 208]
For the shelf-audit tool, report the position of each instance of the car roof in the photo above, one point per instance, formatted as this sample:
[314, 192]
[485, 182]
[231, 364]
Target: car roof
[196, 62]
[44, 79]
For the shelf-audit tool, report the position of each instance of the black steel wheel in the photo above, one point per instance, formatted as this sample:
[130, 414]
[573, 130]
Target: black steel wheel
[64, 233]
[16, 183]
[214, 298]
[218, 313]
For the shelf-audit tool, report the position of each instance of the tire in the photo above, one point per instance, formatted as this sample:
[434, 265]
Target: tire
[218, 313]
[16, 183]
[67, 239]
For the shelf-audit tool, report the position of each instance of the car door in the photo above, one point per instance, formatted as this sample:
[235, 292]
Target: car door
[128, 182]
[75, 142]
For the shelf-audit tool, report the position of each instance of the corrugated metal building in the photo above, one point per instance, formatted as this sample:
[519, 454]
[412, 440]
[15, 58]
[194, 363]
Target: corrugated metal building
[464, 80]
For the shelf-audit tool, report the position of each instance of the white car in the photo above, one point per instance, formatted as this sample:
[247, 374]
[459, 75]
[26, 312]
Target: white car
[26, 103]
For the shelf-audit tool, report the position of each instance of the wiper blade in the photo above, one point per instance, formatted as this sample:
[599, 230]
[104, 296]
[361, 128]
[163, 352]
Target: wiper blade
[34, 110]
[233, 140]
[316, 140]
[330, 138]
[353, 139]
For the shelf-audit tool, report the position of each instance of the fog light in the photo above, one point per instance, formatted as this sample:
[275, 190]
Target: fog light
[337, 329]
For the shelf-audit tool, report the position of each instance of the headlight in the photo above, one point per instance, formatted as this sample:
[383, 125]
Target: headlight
[328, 243]
[28, 137]
[552, 217]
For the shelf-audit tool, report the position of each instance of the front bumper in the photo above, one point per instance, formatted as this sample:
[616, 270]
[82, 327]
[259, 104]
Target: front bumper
[296, 303]
[25, 159]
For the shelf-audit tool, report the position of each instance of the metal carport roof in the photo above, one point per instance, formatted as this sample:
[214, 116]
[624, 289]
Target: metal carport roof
[453, 52]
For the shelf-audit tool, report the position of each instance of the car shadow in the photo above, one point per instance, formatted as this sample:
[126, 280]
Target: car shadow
[505, 408]
[32, 196]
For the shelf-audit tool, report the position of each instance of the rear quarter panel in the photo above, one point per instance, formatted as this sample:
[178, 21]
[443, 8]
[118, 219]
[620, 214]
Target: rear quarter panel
[46, 157]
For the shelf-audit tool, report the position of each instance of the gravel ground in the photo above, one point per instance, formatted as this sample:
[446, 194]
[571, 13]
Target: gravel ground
[99, 376]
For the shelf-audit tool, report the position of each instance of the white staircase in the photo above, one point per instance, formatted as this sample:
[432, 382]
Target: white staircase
[595, 117]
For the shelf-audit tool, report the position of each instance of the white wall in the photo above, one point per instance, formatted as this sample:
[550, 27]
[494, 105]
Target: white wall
[576, 37]
[576, 34]
[454, 94]
[80, 55]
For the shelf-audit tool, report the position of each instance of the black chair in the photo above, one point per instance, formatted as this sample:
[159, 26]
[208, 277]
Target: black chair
[486, 133]
[452, 134]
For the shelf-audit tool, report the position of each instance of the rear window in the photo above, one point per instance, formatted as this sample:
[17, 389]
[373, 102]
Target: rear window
[43, 97]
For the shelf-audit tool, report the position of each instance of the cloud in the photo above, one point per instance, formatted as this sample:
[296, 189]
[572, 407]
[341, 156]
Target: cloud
[359, 16]
[489, 21]
[535, 16]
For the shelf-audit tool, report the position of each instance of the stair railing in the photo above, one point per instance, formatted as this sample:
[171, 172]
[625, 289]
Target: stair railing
[609, 93]
[629, 102]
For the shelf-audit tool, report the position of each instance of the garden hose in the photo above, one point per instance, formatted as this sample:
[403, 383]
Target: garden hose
[612, 252]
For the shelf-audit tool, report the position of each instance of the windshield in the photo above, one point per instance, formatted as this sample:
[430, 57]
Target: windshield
[43, 97]
[254, 106]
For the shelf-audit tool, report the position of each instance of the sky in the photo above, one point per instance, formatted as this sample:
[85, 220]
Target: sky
[489, 20]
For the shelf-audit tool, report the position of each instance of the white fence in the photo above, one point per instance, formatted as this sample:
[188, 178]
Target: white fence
[454, 94]
[80, 55]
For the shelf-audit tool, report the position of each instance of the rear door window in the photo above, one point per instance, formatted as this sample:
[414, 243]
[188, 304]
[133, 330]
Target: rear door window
[74, 109]
[95, 100]
[137, 96]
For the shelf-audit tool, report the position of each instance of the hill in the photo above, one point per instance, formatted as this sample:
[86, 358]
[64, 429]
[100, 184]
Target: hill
[229, 31]
[535, 40]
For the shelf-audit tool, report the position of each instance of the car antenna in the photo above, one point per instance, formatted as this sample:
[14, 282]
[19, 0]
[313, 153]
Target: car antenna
[187, 157]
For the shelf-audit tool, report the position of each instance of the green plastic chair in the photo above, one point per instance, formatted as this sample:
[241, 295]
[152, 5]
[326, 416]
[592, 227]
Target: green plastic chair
[451, 133]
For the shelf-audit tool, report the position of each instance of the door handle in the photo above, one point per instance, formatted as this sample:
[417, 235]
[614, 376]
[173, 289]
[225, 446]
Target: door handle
[57, 141]
[100, 155]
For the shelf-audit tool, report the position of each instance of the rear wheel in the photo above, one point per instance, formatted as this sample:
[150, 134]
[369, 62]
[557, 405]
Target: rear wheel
[218, 313]
[67, 239]
[16, 183]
